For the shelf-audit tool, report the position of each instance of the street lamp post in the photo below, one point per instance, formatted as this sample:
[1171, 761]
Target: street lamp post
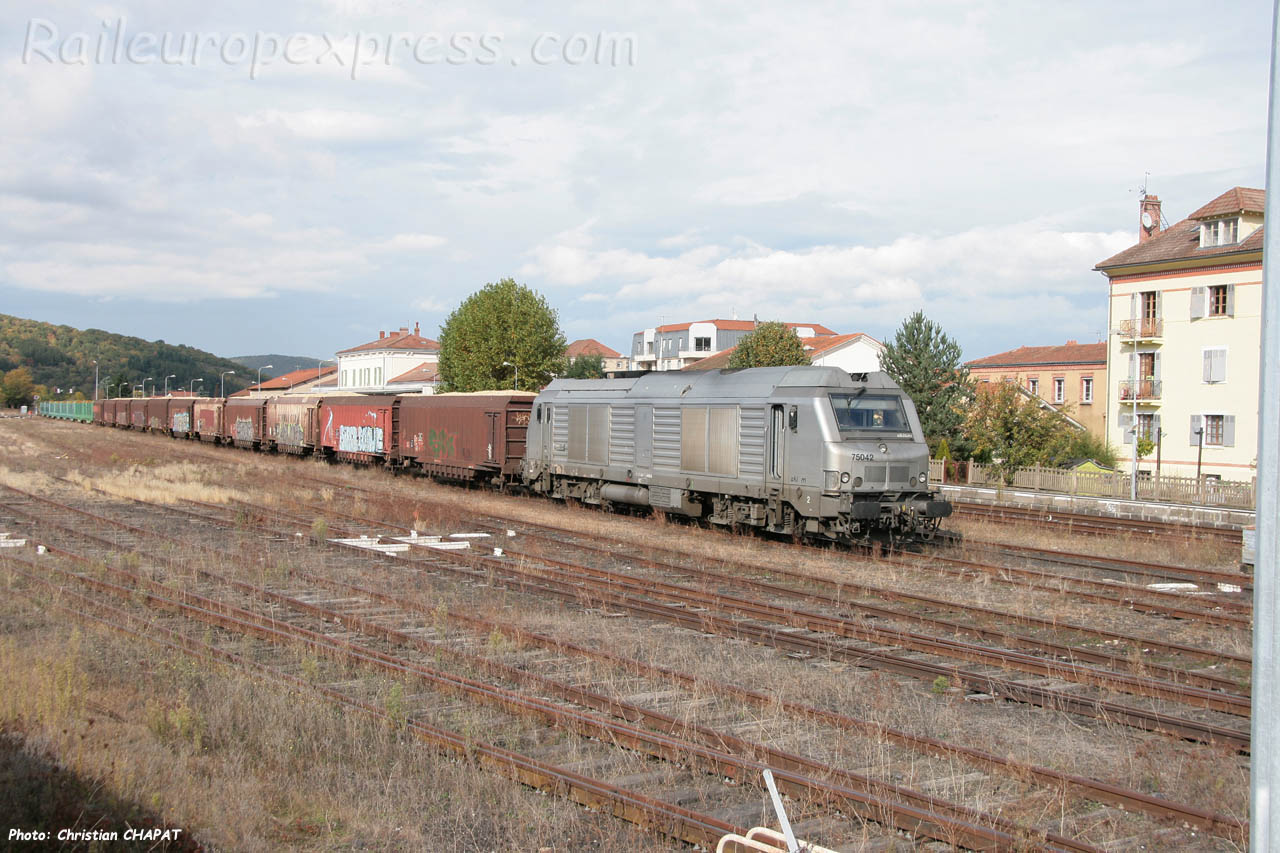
[192, 389]
[515, 383]
[109, 384]
[222, 390]
[260, 369]
[144, 385]
[95, 380]
[166, 382]
[1199, 459]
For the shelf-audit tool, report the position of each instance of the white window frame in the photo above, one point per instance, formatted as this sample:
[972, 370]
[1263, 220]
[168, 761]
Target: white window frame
[1086, 389]
[1222, 430]
[1059, 389]
[1033, 385]
[1204, 353]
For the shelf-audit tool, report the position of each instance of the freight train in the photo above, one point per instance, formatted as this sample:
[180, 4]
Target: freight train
[802, 451]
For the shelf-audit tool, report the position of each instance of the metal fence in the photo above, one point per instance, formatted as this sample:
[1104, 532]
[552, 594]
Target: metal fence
[1114, 484]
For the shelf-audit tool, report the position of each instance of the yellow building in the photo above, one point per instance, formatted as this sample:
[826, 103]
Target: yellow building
[1186, 329]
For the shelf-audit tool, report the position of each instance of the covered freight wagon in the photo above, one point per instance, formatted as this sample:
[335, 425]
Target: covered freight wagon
[245, 421]
[157, 409]
[477, 436]
[293, 424]
[206, 414]
[359, 429]
[180, 417]
[138, 412]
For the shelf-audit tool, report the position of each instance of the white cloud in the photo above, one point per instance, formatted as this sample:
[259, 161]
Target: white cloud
[410, 243]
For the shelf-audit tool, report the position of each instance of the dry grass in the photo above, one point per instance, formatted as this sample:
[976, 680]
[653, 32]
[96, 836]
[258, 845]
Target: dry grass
[246, 766]
[165, 483]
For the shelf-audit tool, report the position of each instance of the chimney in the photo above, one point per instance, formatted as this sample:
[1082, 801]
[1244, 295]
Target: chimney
[415, 327]
[381, 334]
[404, 330]
[1148, 218]
[1073, 343]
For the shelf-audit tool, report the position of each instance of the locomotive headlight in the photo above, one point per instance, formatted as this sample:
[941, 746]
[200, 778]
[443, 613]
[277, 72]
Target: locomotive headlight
[884, 448]
[924, 476]
[857, 481]
[844, 478]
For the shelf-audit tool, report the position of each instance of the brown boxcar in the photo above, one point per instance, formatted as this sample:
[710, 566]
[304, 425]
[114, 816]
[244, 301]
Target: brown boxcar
[157, 413]
[293, 424]
[138, 412]
[115, 412]
[245, 421]
[206, 412]
[466, 436]
[359, 429]
[181, 422]
[99, 409]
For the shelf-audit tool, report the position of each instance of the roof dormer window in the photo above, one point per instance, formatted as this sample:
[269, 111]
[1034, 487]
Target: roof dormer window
[1219, 232]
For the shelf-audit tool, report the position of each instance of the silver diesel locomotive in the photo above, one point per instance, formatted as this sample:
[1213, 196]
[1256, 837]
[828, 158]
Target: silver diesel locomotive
[812, 451]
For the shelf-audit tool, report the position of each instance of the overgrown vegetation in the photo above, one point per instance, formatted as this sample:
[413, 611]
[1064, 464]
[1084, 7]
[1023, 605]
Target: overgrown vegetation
[1009, 429]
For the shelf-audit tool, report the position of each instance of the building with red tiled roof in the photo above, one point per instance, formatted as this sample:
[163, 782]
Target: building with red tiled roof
[299, 381]
[611, 359]
[1185, 311]
[1070, 376]
[422, 379]
[369, 367]
[852, 353]
[674, 346]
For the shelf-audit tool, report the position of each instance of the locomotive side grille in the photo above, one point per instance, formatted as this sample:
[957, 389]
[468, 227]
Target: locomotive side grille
[899, 473]
[875, 475]
[559, 431]
[666, 437]
[751, 442]
[622, 435]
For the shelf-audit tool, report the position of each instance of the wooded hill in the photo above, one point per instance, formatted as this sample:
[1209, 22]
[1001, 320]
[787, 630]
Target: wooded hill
[60, 357]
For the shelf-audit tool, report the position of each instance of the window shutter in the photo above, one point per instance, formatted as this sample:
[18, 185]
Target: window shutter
[1195, 428]
[1199, 298]
[1231, 300]
[1220, 366]
[1159, 304]
[1155, 428]
[1208, 365]
[1134, 311]
[1228, 430]
[1155, 370]
[1126, 424]
[1133, 365]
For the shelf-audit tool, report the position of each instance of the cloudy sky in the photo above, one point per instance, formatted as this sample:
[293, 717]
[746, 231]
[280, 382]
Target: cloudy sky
[292, 177]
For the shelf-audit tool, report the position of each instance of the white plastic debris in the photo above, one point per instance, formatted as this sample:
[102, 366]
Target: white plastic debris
[1222, 587]
[497, 552]
[468, 535]
[6, 542]
[1173, 587]
[510, 532]
[40, 549]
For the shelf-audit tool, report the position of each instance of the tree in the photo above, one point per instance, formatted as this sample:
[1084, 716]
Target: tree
[926, 364]
[771, 344]
[502, 334]
[16, 389]
[586, 367]
[1012, 430]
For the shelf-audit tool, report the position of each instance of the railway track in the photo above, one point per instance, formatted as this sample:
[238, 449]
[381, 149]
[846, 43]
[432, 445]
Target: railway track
[1074, 523]
[347, 619]
[717, 754]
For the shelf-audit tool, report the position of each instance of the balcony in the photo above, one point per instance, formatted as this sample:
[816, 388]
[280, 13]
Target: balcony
[1141, 390]
[1142, 330]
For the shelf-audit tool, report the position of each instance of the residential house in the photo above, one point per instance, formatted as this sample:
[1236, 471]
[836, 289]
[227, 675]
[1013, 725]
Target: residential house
[611, 359]
[370, 368]
[1071, 377]
[1185, 314]
[853, 353]
[678, 345]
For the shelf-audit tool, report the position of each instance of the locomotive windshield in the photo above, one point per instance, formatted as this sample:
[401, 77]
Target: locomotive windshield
[869, 412]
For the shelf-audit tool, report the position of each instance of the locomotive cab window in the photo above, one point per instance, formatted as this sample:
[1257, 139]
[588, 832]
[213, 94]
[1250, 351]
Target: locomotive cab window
[858, 412]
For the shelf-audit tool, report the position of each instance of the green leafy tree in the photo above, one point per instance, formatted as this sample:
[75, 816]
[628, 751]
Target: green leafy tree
[1011, 430]
[927, 364]
[501, 334]
[586, 367]
[16, 389]
[771, 344]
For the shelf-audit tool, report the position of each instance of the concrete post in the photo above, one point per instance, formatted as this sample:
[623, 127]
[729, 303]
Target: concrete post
[1264, 825]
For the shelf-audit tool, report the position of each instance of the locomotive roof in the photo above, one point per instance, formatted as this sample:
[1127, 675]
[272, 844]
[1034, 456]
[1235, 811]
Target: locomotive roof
[742, 382]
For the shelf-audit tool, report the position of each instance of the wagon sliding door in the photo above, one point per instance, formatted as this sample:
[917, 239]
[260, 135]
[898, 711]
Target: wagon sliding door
[776, 469]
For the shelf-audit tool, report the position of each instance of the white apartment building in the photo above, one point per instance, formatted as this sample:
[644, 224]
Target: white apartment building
[676, 346]
[1185, 314]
